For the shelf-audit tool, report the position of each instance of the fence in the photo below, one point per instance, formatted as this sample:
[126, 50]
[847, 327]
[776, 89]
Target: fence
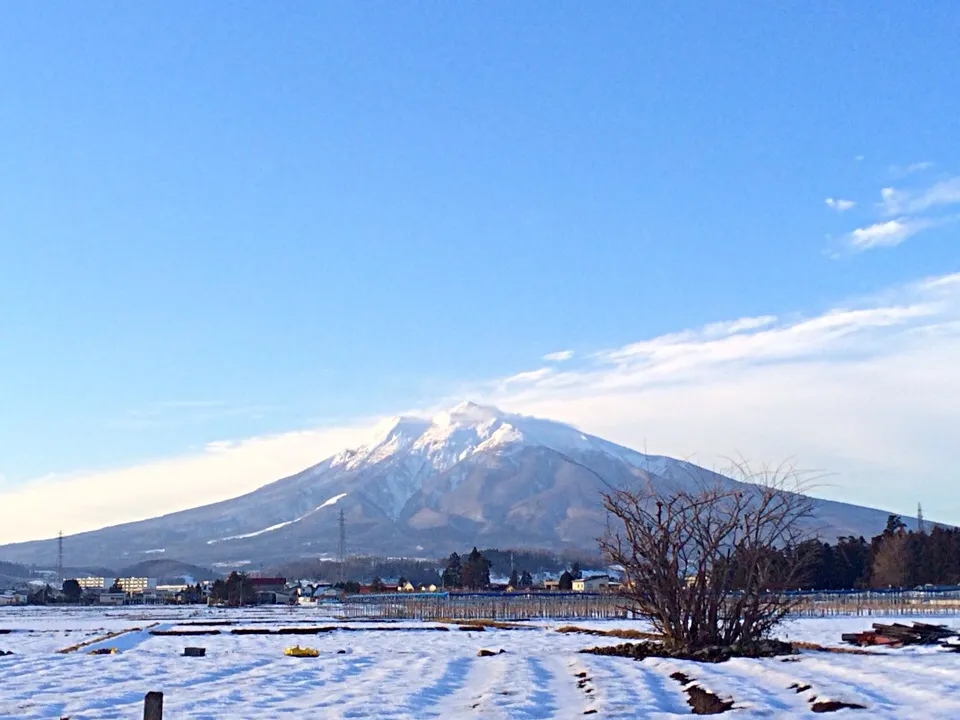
[487, 606]
[605, 606]
[926, 601]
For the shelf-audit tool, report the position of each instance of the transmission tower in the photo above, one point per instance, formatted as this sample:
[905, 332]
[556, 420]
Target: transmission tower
[342, 546]
[921, 526]
[60, 559]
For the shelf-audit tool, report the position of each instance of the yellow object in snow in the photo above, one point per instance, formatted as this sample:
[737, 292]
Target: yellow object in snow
[297, 651]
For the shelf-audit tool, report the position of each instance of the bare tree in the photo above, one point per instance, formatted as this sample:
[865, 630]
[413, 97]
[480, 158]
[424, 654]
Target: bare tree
[706, 565]
[891, 561]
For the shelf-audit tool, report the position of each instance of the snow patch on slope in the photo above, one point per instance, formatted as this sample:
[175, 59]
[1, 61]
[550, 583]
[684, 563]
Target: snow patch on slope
[326, 503]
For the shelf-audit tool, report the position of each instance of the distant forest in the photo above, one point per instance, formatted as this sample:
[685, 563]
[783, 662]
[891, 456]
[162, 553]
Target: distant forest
[894, 558]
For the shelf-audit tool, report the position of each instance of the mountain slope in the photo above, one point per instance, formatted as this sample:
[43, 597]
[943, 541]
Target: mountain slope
[471, 475]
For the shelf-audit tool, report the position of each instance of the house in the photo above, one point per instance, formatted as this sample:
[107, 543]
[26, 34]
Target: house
[428, 588]
[406, 586]
[269, 584]
[594, 583]
[112, 598]
[12, 597]
[551, 584]
[322, 589]
[271, 597]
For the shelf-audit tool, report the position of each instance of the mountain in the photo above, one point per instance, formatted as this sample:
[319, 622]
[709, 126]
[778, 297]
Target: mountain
[471, 475]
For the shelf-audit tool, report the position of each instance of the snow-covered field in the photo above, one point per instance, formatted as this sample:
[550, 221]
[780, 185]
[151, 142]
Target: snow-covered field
[411, 670]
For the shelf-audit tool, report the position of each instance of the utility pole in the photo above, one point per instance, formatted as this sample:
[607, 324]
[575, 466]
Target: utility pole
[342, 546]
[60, 559]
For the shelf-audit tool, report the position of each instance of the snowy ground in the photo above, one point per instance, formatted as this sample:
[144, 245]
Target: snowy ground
[410, 670]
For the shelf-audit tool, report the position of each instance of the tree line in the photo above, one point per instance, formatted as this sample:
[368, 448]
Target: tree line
[895, 558]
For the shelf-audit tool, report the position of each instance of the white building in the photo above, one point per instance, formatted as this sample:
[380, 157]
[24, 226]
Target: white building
[94, 583]
[594, 583]
[129, 584]
[12, 597]
[137, 584]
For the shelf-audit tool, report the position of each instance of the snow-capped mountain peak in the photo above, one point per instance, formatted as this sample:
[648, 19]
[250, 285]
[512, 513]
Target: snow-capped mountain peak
[453, 435]
[406, 452]
[471, 474]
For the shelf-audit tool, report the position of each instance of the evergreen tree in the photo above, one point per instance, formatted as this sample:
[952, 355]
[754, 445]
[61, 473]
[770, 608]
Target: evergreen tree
[72, 592]
[240, 589]
[851, 563]
[115, 588]
[525, 579]
[376, 586]
[452, 577]
[576, 572]
[566, 581]
[475, 572]
[514, 581]
[895, 524]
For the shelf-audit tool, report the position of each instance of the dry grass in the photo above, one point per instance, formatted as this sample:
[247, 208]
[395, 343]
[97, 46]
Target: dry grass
[498, 624]
[101, 638]
[623, 633]
[801, 645]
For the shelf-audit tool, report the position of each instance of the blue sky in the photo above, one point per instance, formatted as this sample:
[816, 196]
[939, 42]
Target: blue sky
[243, 222]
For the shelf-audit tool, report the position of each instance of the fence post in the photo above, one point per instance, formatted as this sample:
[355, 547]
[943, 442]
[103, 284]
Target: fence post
[153, 706]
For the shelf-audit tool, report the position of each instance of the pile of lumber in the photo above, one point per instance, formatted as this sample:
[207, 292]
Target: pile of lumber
[898, 635]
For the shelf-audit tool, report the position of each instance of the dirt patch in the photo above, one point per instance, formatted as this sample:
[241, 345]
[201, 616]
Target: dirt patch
[584, 685]
[712, 654]
[825, 706]
[307, 630]
[184, 632]
[681, 678]
[489, 653]
[481, 623]
[704, 702]
[799, 688]
[319, 629]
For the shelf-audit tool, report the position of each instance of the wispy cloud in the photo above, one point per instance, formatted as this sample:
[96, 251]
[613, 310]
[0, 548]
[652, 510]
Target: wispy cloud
[911, 202]
[81, 501]
[839, 204]
[558, 356]
[866, 390]
[863, 391]
[887, 233]
[904, 170]
[905, 212]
